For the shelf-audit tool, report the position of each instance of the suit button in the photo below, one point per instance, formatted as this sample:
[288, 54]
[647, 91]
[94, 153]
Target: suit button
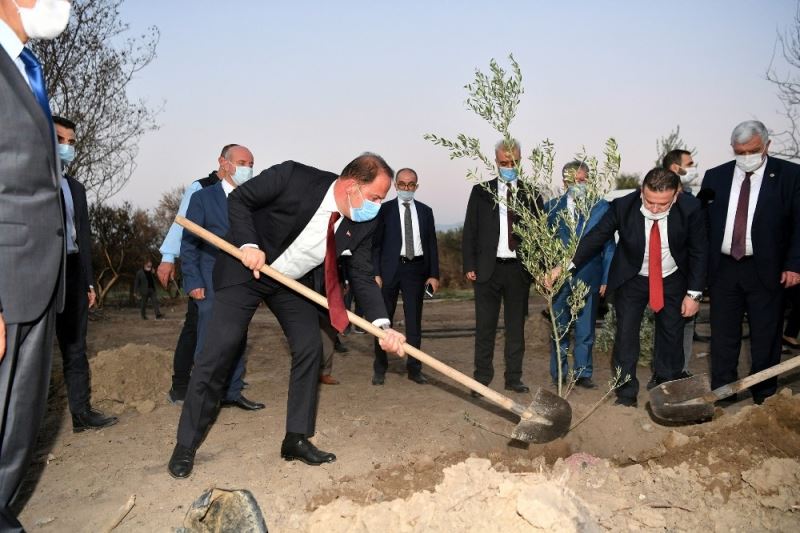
[60, 232]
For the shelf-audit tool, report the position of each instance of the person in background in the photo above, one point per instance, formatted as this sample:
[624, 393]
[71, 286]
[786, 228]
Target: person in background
[145, 286]
[72, 322]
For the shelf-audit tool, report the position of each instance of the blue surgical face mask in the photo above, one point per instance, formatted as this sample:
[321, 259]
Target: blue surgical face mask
[405, 196]
[367, 211]
[66, 152]
[242, 175]
[508, 174]
[578, 190]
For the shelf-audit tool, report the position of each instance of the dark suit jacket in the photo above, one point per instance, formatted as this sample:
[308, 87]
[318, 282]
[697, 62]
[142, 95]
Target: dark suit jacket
[141, 285]
[272, 209]
[32, 249]
[776, 222]
[687, 240]
[482, 229]
[82, 229]
[388, 241]
[209, 209]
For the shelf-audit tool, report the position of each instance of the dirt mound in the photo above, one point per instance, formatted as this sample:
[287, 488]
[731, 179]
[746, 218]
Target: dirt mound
[135, 376]
[739, 473]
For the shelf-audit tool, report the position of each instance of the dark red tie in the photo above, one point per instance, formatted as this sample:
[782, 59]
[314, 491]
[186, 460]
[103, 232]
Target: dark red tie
[333, 289]
[738, 243]
[510, 219]
[654, 271]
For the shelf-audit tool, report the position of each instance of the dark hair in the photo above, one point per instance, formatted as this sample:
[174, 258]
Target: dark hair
[572, 168]
[673, 157]
[366, 167]
[407, 170]
[660, 180]
[224, 152]
[61, 121]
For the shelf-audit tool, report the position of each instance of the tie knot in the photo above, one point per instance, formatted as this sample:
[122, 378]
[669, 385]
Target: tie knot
[29, 58]
[406, 204]
[747, 175]
[334, 217]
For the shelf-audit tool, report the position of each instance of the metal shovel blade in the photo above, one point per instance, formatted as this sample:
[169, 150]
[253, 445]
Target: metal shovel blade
[554, 409]
[682, 400]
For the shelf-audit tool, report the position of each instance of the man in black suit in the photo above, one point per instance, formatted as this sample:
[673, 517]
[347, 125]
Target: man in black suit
[31, 238]
[144, 285]
[754, 239]
[661, 261]
[288, 215]
[489, 250]
[71, 323]
[405, 258]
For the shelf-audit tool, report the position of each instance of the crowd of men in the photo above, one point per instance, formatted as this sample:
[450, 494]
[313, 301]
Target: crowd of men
[658, 247]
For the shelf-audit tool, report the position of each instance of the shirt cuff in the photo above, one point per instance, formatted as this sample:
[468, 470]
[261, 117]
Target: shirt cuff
[381, 322]
[167, 258]
[694, 293]
[249, 245]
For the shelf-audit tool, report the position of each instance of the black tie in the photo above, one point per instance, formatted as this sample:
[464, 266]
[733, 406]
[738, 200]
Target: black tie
[409, 230]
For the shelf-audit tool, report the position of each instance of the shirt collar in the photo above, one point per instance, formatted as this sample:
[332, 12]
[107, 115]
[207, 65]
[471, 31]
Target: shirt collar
[227, 188]
[329, 201]
[9, 41]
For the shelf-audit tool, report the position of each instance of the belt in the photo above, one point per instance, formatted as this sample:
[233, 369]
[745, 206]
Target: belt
[416, 259]
[503, 260]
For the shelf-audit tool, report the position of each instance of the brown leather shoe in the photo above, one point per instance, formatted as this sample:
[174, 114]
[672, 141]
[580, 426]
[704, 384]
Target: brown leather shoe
[327, 379]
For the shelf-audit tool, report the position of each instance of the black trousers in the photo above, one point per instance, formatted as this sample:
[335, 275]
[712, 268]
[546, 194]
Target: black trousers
[510, 285]
[631, 298]
[183, 359]
[737, 289]
[233, 309]
[71, 326]
[792, 297]
[152, 296]
[409, 280]
[24, 379]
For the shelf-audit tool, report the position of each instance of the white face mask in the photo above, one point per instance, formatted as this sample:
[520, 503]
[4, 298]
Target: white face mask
[46, 19]
[655, 216]
[691, 174]
[750, 162]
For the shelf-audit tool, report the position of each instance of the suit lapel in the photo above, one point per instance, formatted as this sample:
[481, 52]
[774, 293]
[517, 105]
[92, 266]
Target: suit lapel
[23, 90]
[769, 191]
[307, 208]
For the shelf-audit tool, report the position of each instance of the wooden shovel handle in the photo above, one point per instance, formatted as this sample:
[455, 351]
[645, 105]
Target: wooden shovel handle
[732, 388]
[496, 397]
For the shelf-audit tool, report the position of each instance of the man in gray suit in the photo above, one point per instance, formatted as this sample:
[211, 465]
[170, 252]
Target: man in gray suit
[31, 238]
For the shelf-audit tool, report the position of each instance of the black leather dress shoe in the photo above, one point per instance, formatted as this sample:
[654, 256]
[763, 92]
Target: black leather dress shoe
[301, 449]
[418, 378]
[626, 402]
[91, 419]
[378, 379]
[243, 403]
[585, 383]
[518, 387]
[181, 462]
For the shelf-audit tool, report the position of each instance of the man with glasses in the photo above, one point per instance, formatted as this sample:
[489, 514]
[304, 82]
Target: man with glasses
[405, 259]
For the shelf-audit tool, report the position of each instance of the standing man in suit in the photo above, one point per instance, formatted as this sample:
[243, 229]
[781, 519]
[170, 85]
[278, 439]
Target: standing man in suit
[170, 249]
[287, 216]
[31, 238]
[209, 208]
[405, 258]
[72, 322]
[145, 286]
[660, 260]
[489, 248]
[754, 239]
[594, 274]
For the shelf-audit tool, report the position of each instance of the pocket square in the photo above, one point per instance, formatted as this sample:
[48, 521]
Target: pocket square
[346, 252]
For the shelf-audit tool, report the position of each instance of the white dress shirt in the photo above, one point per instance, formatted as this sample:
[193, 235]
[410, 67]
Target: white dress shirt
[414, 224]
[227, 188]
[503, 251]
[736, 187]
[308, 249]
[13, 47]
[668, 264]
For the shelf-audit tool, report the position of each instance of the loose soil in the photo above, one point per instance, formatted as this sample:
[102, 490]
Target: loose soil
[410, 457]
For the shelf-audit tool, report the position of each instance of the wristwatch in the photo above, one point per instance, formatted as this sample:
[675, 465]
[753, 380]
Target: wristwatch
[695, 297]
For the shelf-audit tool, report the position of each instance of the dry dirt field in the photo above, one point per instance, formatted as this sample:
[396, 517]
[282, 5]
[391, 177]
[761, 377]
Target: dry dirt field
[410, 457]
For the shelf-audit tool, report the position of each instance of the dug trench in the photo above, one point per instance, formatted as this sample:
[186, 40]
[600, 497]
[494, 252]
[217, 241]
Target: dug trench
[410, 457]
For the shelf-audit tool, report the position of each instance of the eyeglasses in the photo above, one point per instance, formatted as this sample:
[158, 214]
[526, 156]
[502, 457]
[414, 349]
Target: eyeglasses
[406, 186]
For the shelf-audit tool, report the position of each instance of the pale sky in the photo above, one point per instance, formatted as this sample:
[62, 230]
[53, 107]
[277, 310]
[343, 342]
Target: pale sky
[320, 82]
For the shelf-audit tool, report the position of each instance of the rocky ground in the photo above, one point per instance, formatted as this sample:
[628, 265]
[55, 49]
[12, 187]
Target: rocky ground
[410, 457]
